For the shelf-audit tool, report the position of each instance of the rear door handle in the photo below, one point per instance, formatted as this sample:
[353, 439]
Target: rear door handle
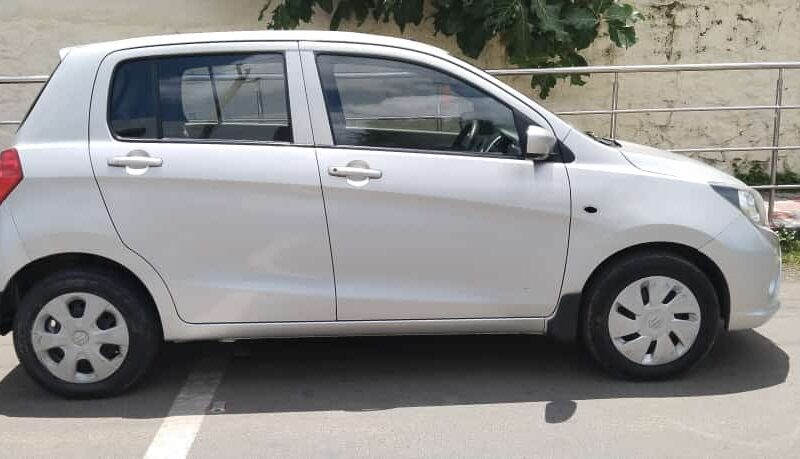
[347, 171]
[136, 159]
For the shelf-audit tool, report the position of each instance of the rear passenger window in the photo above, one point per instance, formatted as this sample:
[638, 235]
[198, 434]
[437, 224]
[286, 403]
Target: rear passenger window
[216, 97]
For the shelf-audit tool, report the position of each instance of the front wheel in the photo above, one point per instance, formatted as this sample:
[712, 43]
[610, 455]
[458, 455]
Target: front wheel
[651, 316]
[86, 334]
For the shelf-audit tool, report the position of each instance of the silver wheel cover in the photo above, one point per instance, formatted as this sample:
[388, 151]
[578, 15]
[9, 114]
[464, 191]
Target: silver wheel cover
[80, 338]
[654, 321]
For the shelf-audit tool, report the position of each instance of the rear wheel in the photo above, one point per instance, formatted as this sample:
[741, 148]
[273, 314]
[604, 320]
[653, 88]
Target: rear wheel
[84, 333]
[651, 316]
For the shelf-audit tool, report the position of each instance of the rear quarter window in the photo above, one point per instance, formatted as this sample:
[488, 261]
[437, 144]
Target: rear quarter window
[133, 101]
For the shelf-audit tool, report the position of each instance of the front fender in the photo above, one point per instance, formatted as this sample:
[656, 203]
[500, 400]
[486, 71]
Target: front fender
[635, 207]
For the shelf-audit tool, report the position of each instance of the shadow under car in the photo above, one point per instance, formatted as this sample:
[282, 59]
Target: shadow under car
[357, 374]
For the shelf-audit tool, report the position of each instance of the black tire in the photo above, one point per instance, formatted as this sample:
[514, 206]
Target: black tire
[144, 330]
[612, 280]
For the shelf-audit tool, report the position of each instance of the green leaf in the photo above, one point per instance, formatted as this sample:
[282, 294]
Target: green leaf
[342, 12]
[448, 19]
[620, 19]
[347, 9]
[545, 83]
[622, 13]
[407, 11]
[506, 13]
[549, 18]
[448, 24]
[381, 10]
[472, 41]
[361, 10]
[624, 37]
[575, 60]
[581, 18]
[326, 5]
[599, 6]
[517, 39]
[582, 39]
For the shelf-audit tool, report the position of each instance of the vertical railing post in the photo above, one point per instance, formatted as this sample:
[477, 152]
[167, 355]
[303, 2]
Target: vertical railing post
[614, 105]
[776, 138]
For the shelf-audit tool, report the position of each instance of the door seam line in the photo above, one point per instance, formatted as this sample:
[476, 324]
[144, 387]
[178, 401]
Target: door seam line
[330, 241]
[321, 188]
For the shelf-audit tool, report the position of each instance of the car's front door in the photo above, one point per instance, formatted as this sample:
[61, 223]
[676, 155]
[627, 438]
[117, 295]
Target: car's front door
[432, 211]
[203, 155]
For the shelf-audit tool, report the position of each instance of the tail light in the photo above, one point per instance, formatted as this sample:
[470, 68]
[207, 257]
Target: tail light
[10, 172]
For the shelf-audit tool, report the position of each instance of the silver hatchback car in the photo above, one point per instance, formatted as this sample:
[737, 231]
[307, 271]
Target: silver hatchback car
[283, 184]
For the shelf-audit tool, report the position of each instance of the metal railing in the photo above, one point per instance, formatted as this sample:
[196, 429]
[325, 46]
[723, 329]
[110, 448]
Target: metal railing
[614, 111]
[33, 79]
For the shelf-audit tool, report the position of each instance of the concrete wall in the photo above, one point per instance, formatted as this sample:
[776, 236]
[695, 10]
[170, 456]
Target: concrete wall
[689, 31]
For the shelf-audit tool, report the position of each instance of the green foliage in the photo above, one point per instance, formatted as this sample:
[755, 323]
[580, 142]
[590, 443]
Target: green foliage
[535, 33]
[789, 239]
[755, 173]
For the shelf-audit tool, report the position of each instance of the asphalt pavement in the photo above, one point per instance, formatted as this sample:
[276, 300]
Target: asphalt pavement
[473, 396]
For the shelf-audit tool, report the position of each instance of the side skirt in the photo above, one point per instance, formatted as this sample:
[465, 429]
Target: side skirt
[198, 332]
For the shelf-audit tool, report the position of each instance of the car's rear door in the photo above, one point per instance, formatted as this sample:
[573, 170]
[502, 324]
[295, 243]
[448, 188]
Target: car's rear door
[422, 228]
[203, 155]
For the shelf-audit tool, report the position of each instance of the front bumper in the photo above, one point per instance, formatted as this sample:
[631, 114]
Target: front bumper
[750, 259]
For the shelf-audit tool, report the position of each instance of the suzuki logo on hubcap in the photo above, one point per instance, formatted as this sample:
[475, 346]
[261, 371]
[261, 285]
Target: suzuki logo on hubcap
[655, 322]
[80, 338]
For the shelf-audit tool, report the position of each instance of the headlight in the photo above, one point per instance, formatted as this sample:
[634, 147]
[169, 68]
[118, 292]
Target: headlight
[749, 201]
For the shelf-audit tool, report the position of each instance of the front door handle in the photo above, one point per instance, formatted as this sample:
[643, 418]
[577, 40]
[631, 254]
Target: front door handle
[348, 171]
[136, 159]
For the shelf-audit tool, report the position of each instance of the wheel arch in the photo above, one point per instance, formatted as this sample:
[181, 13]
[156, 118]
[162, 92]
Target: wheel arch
[566, 322]
[25, 278]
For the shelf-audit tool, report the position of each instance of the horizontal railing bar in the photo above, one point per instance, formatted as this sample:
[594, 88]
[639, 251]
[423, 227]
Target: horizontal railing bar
[23, 79]
[776, 187]
[647, 68]
[713, 149]
[562, 70]
[9, 123]
[680, 109]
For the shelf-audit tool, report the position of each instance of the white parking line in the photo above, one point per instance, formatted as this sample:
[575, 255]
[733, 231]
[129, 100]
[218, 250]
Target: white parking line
[176, 435]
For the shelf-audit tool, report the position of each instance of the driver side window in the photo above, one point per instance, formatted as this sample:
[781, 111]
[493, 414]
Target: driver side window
[383, 103]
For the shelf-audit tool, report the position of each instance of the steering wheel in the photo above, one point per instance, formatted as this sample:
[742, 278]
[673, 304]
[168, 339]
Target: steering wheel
[494, 143]
[467, 134]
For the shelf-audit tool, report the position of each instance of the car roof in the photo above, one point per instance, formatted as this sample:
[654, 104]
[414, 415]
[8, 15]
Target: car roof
[261, 35]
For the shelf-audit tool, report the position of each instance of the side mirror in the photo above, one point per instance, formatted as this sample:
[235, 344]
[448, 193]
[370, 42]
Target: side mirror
[540, 143]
